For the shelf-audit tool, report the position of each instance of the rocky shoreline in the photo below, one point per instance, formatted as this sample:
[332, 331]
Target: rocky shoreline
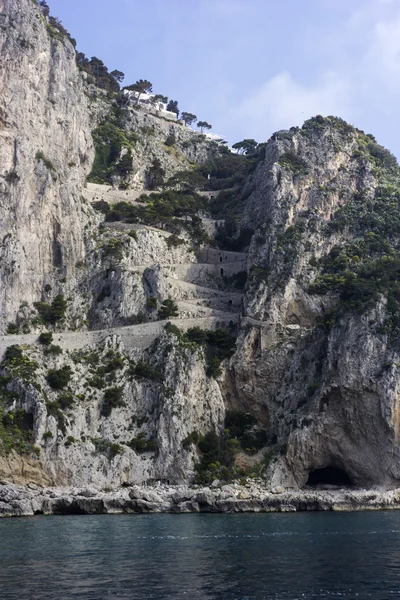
[23, 501]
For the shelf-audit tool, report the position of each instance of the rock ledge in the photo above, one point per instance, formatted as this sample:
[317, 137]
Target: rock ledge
[20, 501]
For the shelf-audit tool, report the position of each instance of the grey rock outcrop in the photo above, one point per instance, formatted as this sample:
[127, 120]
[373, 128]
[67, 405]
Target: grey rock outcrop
[19, 501]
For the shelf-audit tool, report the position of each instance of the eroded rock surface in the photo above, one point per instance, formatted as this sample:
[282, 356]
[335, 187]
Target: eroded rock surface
[115, 398]
[19, 501]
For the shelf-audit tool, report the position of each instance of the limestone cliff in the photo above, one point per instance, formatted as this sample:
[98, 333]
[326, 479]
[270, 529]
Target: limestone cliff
[320, 352]
[148, 138]
[133, 349]
[46, 152]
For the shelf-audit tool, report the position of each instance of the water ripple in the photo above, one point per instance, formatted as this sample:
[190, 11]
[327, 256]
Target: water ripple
[305, 556]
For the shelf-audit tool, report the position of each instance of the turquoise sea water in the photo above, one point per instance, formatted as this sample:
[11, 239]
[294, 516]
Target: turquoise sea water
[201, 557]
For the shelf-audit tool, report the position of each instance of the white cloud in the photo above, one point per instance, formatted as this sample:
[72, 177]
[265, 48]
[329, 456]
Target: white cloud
[376, 30]
[382, 60]
[359, 79]
[282, 102]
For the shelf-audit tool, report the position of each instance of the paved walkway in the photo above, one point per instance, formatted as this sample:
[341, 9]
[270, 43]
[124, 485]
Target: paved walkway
[132, 336]
[201, 290]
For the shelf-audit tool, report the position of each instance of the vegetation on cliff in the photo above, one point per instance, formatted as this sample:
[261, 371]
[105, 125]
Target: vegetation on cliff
[366, 267]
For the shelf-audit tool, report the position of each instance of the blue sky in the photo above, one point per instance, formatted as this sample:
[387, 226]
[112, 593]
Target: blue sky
[251, 67]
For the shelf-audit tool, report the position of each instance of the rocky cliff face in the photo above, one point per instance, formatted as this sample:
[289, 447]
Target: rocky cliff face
[116, 395]
[46, 152]
[318, 360]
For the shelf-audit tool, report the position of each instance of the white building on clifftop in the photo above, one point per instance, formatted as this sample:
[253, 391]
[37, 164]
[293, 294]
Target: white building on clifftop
[148, 102]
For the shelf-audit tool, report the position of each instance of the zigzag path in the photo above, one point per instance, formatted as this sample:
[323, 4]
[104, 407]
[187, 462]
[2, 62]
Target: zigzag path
[202, 290]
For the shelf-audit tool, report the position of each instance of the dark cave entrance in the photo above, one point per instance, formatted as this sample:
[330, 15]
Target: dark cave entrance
[328, 476]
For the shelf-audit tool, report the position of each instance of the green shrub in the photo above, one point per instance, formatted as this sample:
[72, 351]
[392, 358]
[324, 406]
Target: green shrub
[66, 400]
[45, 338]
[133, 234]
[143, 370]
[115, 449]
[59, 378]
[13, 353]
[171, 140]
[16, 432]
[21, 366]
[173, 241]
[197, 335]
[113, 249]
[294, 163]
[170, 328]
[243, 427]
[192, 438]
[112, 399]
[97, 382]
[227, 170]
[216, 461]
[168, 309]
[89, 357]
[53, 350]
[101, 206]
[170, 209]
[218, 345]
[366, 267]
[213, 367]
[238, 422]
[218, 451]
[54, 409]
[381, 155]
[124, 166]
[110, 449]
[12, 328]
[54, 312]
[117, 362]
[155, 175]
[141, 444]
[110, 138]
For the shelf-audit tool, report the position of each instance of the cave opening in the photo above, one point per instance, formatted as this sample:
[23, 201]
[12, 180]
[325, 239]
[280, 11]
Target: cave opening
[328, 476]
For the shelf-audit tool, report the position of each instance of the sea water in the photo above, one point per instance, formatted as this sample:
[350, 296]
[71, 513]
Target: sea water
[201, 557]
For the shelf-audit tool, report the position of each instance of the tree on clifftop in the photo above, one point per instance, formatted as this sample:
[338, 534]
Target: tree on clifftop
[159, 98]
[203, 125]
[172, 106]
[245, 146]
[118, 75]
[142, 86]
[44, 8]
[189, 118]
[98, 72]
